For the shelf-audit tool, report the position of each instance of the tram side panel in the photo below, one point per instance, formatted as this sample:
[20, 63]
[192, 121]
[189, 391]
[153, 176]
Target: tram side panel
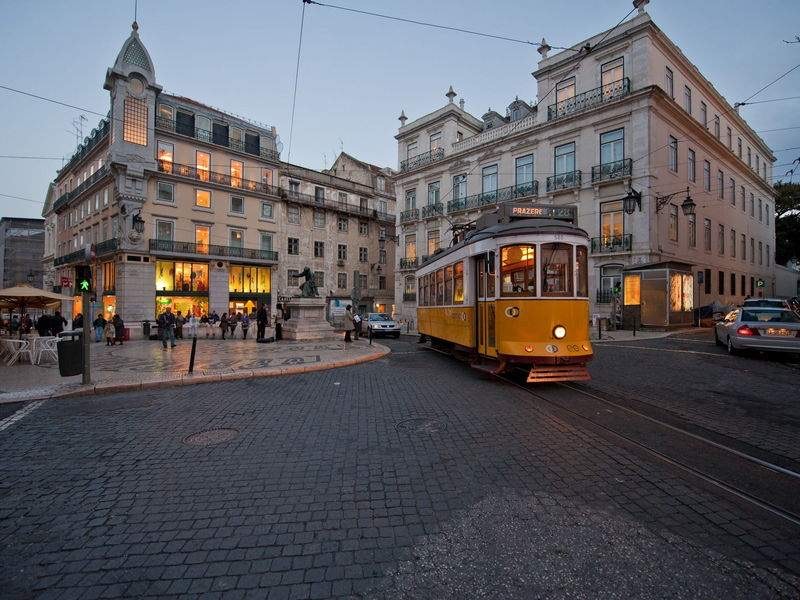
[454, 324]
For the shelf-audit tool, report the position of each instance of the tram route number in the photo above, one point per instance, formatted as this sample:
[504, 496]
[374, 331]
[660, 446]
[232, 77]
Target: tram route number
[573, 347]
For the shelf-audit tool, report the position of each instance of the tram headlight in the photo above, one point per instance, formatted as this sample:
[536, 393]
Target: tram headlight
[512, 311]
[559, 332]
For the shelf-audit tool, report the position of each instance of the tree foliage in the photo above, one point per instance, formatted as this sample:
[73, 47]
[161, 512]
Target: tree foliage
[787, 222]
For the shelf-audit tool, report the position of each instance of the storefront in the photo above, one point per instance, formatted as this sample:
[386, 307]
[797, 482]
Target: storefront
[182, 286]
[658, 295]
[248, 288]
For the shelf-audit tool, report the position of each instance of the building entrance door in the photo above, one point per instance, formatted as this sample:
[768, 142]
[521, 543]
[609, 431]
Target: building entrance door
[654, 302]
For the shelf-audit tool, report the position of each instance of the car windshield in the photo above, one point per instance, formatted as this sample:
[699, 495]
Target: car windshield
[379, 317]
[765, 303]
[770, 316]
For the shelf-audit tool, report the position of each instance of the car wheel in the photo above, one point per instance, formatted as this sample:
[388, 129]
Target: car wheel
[731, 349]
[717, 341]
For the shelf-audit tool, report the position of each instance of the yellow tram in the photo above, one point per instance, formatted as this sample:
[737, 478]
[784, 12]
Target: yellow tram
[514, 292]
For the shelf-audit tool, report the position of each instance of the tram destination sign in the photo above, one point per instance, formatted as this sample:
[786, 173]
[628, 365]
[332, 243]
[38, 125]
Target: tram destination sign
[527, 211]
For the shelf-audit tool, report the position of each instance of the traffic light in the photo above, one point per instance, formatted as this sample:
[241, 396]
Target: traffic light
[83, 279]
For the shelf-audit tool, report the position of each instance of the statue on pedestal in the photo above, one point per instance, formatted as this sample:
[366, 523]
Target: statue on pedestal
[309, 287]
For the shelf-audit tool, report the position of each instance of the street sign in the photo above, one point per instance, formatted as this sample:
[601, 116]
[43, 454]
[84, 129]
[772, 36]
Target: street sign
[66, 282]
[760, 283]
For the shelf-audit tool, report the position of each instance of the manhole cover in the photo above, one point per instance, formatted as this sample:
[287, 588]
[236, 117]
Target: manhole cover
[209, 437]
[421, 425]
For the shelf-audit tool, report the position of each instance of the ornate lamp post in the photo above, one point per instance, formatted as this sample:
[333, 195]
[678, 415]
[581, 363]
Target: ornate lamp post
[634, 200]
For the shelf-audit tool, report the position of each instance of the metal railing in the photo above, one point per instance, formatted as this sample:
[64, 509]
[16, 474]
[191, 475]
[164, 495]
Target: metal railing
[564, 181]
[409, 297]
[604, 296]
[506, 194]
[412, 214]
[106, 247]
[72, 257]
[66, 197]
[409, 263]
[208, 136]
[612, 243]
[206, 176]
[612, 170]
[495, 133]
[432, 210]
[420, 160]
[343, 207]
[586, 100]
[211, 250]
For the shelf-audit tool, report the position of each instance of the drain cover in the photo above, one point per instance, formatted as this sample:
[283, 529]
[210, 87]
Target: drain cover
[209, 437]
[421, 425]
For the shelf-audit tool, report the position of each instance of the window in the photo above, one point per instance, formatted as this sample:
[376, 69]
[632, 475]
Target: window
[564, 158]
[236, 238]
[266, 177]
[716, 126]
[411, 149]
[707, 281]
[720, 185]
[363, 228]
[733, 243]
[319, 217]
[265, 241]
[489, 179]
[411, 199]
[611, 224]
[266, 210]
[433, 193]
[758, 164]
[237, 169]
[235, 138]
[293, 278]
[341, 281]
[293, 246]
[249, 279]
[721, 239]
[362, 281]
[237, 205]
[687, 99]
[692, 224]
[363, 255]
[202, 237]
[436, 140]
[632, 289]
[739, 146]
[342, 223]
[433, 241]
[381, 184]
[752, 205]
[165, 153]
[752, 250]
[760, 210]
[706, 176]
[760, 253]
[203, 164]
[743, 283]
[556, 269]
[523, 174]
[721, 282]
[341, 252]
[690, 165]
[768, 255]
[749, 158]
[673, 223]
[670, 81]
[181, 276]
[109, 277]
[165, 230]
[105, 197]
[382, 256]
[743, 247]
[202, 198]
[741, 195]
[733, 191]
[730, 138]
[672, 154]
[294, 187]
[411, 246]
[610, 279]
[166, 112]
[319, 195]
[134, 123]
[703, 114]
[611, 73]
[319, 249]
[203, 128]
[565, 90]
[459, 187]
[518, 270]
[166, 192]
[707, 234]
[766, 214]
[342, 199]
[612, 146]
[733, 284]
[293, 214]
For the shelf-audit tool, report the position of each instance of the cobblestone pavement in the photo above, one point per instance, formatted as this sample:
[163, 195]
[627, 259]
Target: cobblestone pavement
[750, 398]
[408, 477]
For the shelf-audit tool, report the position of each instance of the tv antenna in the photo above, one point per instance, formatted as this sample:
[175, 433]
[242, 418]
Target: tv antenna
[77, 126]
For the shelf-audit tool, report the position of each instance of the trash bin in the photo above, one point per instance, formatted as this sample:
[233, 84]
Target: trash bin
[146, 329]
[70, 355]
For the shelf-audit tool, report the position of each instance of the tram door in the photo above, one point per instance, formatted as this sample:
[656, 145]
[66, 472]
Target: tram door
[484, 309]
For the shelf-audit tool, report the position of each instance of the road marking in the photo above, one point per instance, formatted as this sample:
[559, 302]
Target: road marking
[20, 414]
[609, 345]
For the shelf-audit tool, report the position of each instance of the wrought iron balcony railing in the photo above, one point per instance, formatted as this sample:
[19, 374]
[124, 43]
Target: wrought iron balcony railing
[343, 207]
[612, 243]
[587, 100]
[223, 179]
[605, 296]
[564, 181]
[420, 160]
[612, 170]
[211, 250]
[409, 263]
[432, 210]
[209, 137]
[106, 247]
[409, 297]
[65, 198]
[79, 256]
[506, 194]
[412, 214]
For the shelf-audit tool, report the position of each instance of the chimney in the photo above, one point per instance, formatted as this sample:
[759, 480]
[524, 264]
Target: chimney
[402, 118]
[461, 104]
[640, 4]
[544, 48]
[450, 94]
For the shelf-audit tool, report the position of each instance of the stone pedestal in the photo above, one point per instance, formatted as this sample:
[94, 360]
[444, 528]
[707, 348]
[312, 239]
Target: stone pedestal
[307, 320]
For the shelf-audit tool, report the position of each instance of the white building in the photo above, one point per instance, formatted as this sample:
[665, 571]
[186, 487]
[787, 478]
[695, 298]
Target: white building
[631, 113]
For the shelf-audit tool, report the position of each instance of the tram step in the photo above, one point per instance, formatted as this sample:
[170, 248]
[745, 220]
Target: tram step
[549, 374]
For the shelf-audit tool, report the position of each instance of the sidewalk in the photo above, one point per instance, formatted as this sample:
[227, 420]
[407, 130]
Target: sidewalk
[143, 364]
[627, 335]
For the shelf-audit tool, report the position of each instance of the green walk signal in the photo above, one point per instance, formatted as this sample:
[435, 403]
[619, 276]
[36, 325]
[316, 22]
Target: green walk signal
[84, 285]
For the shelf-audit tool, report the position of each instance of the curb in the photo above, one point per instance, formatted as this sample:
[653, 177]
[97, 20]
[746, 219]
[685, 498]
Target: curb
[186, 379]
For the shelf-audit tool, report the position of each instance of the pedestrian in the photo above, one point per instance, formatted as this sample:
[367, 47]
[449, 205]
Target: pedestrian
[245, 325]
[261, 323]
[58, 322]
[278, 322]
[166, 324]
[348, 323]
[14, 324]
[191, 326]
[26, 325]
[99, 326]
[204, 325]
[77, 322]
[356, 326]
[119, 329]
[109, 333]
[44, 325]
[179, 321]
[223, 324]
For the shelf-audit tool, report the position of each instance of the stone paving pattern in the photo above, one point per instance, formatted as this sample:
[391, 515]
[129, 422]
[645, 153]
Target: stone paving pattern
[381, 480]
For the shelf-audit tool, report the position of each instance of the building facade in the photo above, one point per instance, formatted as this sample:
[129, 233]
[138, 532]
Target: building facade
[180, 204]
[21, 245]
[632, 117]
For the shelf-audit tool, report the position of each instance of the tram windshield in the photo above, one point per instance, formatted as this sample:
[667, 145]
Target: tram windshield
[556, 270]
[518, 270]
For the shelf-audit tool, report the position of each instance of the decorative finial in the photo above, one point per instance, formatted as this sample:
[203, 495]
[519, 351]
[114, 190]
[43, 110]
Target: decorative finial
[451, 94]
[544, 48]
[640, 4]
[135, 26]
[402, 118]
[461, 104]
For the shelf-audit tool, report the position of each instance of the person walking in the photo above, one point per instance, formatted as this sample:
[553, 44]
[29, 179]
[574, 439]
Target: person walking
[77, 322]
[278, 321]
[356, 326]
[179, 322]
[261, 323]
[348, 323]
[58, 322]
[108, 331]
[166, 324]
[119, 329]
[223, 324]
[245, 325]
[99, 326]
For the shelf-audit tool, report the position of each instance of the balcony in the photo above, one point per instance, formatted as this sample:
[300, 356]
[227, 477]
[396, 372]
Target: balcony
[173, 248]
[210, 138]
[409, 264]
[342, 207]
[612, 171]
[106, 247]
[564, 181]
[65, 198]
[223, 179]
[409, 297]
[506, 194]
[612, 244]
[79, 256]
[586, 100]
[412, 214]
[432, 210]
[496, 133]
[420, 160]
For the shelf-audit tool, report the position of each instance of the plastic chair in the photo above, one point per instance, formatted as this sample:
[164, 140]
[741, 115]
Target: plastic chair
[19, 349]
[47, 347]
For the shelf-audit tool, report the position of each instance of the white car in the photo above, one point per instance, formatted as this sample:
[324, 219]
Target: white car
[754, 328]
[382, 324]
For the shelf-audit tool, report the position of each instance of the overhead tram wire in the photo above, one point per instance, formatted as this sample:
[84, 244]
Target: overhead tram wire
[774, 81]
[296, 77]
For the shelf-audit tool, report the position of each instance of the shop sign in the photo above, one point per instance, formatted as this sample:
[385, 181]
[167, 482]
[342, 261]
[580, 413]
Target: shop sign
[66, 282]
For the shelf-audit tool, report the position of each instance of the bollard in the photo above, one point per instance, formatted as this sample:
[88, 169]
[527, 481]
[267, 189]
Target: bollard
[191, 356]
[634, 325]
[369, 334]
[599, 329]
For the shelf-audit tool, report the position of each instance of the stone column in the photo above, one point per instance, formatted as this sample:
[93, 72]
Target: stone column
[218, 295]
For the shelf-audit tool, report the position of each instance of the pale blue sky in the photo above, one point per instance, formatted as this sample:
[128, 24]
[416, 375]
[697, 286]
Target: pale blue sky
[357, 72]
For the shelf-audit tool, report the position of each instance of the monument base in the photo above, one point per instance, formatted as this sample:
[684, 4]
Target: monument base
[307, 320]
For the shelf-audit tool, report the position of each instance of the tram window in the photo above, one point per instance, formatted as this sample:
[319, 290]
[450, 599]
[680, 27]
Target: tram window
[426, 290]
[448, 285]
[420, 292]
[490, 277]
[556, 270]
[481, 279]
[518, 270]
[583, 271]
[458, 283]
[440, 287]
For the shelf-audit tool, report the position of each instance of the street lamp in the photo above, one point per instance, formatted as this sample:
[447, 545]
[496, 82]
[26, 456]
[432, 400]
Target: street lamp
[634, 200]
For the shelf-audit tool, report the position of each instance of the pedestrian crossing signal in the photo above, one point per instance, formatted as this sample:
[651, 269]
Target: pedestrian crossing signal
[83, 278]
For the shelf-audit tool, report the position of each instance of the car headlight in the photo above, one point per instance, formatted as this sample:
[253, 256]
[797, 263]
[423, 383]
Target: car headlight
[559, 332]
